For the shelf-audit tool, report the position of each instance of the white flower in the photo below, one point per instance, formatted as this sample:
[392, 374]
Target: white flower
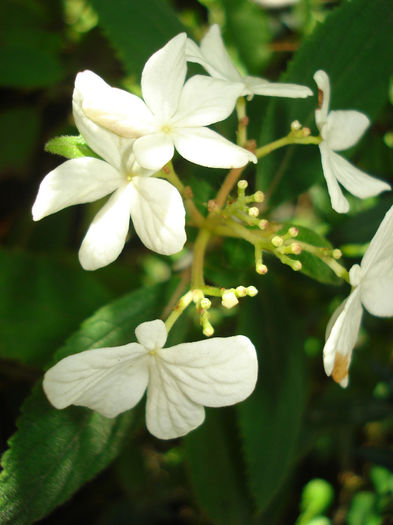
[155, 206]
[173, 114]
[213, 56]
[180, 380]
[341, 130]
[275, 3]
[372, 284]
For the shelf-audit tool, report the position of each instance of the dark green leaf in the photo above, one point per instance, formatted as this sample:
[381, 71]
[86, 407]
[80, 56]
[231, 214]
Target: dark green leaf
[137, 29]
[354, 47]
[270, 420]
[212, 459]
[54, 452]
[70, 147]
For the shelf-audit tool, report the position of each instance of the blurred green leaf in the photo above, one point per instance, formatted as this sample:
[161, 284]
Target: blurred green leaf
[271, 419]
[19, 128]
[54, 452]
[354, 47]
[70, 147]
[317, 496]
[363, 510]
[137, 29]
[211, 455]
[41, 301]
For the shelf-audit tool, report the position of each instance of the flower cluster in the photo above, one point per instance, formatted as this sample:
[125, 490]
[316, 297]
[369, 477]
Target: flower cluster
[134, 139]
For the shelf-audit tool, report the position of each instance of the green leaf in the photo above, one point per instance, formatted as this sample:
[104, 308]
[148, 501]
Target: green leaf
[137, 29]
[271, 418]
[42, 300]
[211, 455]
[54, 452]
[70, 147]
[354, 47]
[312, 265]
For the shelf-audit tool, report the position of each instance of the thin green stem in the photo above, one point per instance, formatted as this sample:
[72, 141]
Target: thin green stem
[201, 242]
[291, 138]
[242, 121]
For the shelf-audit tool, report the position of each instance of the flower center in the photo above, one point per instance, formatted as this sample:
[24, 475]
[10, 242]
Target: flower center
[166, 128]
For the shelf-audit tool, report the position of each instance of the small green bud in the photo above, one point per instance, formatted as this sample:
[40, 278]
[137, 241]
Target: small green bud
[205, 303]
[263, 224]
[293, 231]
[251, 291]
[296, 249]
[277, 241]
[295, 125]
[241, 291]
[229, 299]
[197, 296]
[253, 211]
[261, 269]
[259, 196]
[242, 184]
[337, 254]
[296, 266]
[207, 330]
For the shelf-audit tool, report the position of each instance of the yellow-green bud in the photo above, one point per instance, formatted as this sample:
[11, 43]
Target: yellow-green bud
[296, 248]
[277, 241]
[337, 254]
[253, 211]
[242, 184]
[259, 196]
[208, 330]
[293, 231]
[261, 269]
[295, 125]
[263, 224]
[205, 303]
[197, 295]
[251, 291]
[241, 291]
[297, 265]
[229, 299]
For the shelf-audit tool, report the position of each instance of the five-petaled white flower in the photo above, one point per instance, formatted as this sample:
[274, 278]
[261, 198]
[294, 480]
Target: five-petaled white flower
[340, 130]
[173, 114]
[155, 206]
[213, 56]
[180, 380]
[372, 284]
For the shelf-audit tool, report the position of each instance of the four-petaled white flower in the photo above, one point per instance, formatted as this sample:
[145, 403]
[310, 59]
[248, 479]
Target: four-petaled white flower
[213, 56]
[340, 130]
[173, 114]
[155, 206]
[372, 284]
[180, 380]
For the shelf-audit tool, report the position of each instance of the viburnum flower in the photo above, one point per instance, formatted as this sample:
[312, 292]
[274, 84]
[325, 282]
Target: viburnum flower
[172, 115]
[213, 56]
[341, 130]
[372, 284]
[155, 206]
[180, 380]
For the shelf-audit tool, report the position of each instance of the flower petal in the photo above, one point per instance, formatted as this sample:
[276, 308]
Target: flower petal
[152, 334]
[108, 145]
[341, 334]
[339, 202]
[205, 100]
[215, 372]
[153, 151]
[355, 180]
[169, 413]
[322, 80]
[163, 78]
[207, 148]
[74, 182]
[377, 268]
[158, 215]
[260, 86]
[108, 380]
[214, 56]
[344, 128]
[107, 233]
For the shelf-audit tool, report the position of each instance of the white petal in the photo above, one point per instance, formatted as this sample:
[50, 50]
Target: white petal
[158, 215]
[107, 233]
[355, 180]
[207, 148]
[169, 413]
[260, 86]
[377, 268]
[216, 60]
[108, 380]
[108, 145]
[205, 100]
[215, 372]
[163, 78]
[74, 182]
[154, 151]
[322, 80]
[339, 202]
[152, 335]
[341, 334]
[344, 128]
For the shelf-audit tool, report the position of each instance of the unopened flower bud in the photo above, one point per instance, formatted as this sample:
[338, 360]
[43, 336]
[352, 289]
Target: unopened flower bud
[207, 330]
[197, 296]
[229, 299]
[295, 125]
[263, 224]
[296, 248]
[242, 184]
[277, 241]
[337, 254]
[306, 132]
[293, 231]
[259, 196]
[205, 303]
[251, 291]
[261, 269]
[241, 291]
[253, 211]
[297, 265]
